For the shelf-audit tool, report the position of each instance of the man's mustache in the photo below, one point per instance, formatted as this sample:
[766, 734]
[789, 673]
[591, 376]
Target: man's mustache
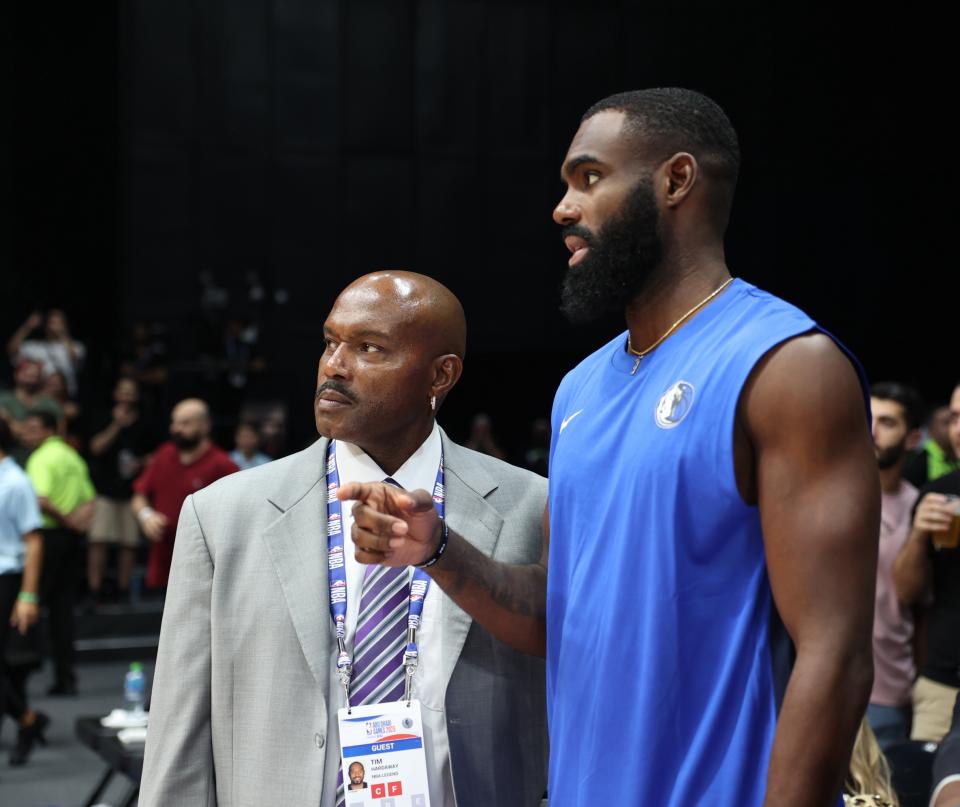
[336, 386]
[578, 230]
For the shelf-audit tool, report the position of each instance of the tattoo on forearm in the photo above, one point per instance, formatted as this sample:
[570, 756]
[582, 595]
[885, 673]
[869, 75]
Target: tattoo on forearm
[519, 589]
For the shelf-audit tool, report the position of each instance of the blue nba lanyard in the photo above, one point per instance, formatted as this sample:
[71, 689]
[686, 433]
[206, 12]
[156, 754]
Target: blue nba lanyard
[337, 578]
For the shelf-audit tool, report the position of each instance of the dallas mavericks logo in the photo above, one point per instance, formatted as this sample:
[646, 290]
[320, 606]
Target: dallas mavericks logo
[674, 405]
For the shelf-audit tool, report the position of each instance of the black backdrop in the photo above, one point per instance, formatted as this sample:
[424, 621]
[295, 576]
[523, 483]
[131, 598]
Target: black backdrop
[309, 142]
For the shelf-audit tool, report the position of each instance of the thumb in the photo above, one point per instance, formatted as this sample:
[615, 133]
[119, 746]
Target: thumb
[419, 501]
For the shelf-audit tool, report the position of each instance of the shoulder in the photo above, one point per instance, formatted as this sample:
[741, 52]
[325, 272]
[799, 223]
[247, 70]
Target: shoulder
[283, 481]
[15, 479]
[42, 455]
[504, 485]
[908, 491]
[805, 379]
[165, 453]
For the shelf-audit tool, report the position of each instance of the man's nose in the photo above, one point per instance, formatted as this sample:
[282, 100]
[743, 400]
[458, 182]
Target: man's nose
[334, 365]
[567, 211]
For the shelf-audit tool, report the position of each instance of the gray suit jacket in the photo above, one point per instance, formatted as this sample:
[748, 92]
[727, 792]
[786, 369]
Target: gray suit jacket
[244, 669]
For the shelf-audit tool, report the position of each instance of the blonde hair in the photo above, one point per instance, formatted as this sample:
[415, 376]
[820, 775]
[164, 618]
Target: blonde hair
[869, 772]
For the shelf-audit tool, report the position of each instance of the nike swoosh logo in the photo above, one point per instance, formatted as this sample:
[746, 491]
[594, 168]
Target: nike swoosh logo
[566, 420]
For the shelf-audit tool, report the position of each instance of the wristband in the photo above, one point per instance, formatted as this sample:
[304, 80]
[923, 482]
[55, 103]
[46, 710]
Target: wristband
[145, 513]
[27, 596]
[441, 548]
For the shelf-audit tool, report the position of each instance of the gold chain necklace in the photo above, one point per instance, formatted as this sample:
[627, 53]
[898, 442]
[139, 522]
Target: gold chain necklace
[641, 353]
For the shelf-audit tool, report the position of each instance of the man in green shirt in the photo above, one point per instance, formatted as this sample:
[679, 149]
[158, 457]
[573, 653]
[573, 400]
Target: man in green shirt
[65, 493]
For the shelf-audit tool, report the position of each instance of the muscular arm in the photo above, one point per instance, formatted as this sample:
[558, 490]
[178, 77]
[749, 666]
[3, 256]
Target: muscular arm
[818, 493]
[508, 600]
[398, 528]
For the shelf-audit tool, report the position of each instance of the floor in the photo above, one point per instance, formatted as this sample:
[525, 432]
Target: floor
[64, 773]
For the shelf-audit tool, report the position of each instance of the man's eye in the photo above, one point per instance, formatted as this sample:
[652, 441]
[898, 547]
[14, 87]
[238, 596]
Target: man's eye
[590, 177]
[330, 344]
[367, 347]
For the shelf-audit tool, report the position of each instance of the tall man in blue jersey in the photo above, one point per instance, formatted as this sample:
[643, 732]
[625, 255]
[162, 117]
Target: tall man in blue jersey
[714, 500]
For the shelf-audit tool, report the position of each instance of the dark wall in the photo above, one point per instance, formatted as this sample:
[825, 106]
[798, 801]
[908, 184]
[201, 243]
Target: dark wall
[308, 142]
[58, 180]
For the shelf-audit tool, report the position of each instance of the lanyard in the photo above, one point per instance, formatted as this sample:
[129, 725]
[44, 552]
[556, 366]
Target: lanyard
[337, 579]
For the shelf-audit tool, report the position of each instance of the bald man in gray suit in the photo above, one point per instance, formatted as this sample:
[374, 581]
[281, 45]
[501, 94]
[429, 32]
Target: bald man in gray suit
[246, 689]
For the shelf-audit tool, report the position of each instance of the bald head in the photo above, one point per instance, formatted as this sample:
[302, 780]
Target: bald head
[394, 346]
[422, 304]
[190, 424]
[193, 408]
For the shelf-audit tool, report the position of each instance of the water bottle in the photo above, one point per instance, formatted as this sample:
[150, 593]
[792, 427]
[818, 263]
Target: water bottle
[134, 689]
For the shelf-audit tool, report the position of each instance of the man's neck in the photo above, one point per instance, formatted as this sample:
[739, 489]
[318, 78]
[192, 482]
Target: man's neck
[890, 478]
[671, 292]
[186, 457]
[392, 454]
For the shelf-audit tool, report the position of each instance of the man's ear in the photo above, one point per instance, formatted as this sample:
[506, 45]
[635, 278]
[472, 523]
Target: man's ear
[446, 373]
[680, 174]
[914, 436]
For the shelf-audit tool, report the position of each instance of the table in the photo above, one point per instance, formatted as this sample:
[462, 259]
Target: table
[120, 758]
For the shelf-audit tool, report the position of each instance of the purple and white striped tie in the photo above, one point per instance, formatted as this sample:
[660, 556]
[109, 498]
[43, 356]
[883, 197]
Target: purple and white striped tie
[380, 640]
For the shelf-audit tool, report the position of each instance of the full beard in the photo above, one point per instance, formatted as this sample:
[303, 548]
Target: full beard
[888, 457]
[620, 259]
[185, 443]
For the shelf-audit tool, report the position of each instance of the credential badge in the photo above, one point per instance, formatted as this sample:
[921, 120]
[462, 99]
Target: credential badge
[674, 405]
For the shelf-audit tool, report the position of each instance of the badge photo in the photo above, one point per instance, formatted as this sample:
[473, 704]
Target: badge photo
[382, 755]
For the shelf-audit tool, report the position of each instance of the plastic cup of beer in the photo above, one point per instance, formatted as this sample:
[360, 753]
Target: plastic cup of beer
[950, 538]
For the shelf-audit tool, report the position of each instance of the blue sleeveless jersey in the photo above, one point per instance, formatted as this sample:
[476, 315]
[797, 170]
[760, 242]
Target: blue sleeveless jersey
[665, 659]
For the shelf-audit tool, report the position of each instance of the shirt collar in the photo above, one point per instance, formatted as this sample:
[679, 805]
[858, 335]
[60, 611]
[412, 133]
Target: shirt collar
[418, 472]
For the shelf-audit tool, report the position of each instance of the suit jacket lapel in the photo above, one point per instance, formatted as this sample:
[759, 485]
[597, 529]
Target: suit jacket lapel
[296, 542]
[297, 545]
[466, 483]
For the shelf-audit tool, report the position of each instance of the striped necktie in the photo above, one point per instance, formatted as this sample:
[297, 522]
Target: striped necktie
[381, 639]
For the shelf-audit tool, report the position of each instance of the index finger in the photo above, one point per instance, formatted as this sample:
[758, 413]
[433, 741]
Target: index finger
[365, 491]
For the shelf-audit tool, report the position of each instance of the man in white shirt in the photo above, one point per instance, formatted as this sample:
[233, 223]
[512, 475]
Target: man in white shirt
[246, 688]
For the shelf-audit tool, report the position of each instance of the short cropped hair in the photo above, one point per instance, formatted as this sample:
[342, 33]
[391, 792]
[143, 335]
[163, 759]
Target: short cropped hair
[46, 417]
[913, 409]
[672, 119]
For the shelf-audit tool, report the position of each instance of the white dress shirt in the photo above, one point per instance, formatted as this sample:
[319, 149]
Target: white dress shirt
[418, 472]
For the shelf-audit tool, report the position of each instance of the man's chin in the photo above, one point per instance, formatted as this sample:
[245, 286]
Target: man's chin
[333, 427]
